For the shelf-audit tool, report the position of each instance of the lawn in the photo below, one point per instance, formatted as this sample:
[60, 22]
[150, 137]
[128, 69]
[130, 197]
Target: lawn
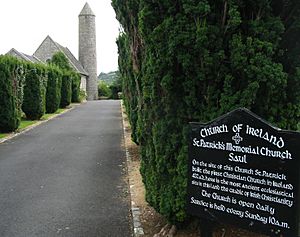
[3, 135]
[26, 123]
[47, 116]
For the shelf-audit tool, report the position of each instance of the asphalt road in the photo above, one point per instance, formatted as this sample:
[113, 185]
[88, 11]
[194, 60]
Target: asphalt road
[66, 177]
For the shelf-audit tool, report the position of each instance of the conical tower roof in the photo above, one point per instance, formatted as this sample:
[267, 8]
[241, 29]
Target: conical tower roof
[86, 11]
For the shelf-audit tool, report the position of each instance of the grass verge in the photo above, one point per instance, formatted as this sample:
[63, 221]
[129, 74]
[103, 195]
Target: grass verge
[26, 123]
[3, 135]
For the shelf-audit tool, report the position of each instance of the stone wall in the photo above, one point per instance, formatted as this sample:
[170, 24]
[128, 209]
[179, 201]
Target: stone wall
[46, 50]
[83, 83]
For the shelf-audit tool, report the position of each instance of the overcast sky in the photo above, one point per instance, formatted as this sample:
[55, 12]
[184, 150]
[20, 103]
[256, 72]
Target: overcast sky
[25, 23]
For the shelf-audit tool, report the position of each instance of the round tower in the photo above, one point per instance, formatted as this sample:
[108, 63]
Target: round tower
[87, 49]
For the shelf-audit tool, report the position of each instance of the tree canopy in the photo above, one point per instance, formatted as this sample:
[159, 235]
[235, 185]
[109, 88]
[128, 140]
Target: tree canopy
[59, 59]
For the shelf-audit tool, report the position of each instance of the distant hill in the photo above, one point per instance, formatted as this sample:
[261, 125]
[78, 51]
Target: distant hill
[108, 78]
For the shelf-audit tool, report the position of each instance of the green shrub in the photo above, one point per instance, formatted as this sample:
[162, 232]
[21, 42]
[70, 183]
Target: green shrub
[53, 92]
[129, 81]
[76, 79]
[70, 90]
[10, 93]
[59, 59]
[82, 95]
[34, 103]
[116, 88]
[103, 89]
[66, 89]
[193, 61]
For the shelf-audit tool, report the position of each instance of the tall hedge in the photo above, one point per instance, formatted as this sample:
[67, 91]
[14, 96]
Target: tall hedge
[10, 93]
[191, 60]
[53, 93]
[76, 79]
[34, 91]
[66, 89]
[70, 91]
[129, 83]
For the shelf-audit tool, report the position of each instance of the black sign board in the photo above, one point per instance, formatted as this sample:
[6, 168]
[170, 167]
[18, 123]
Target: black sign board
[243, 171]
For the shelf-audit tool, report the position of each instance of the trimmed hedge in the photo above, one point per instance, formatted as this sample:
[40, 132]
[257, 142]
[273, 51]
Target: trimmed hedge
[70, 91]
[130, 82]
[76, 80]
[66, 89]
[193, 60]
[53, 93]
[10, 93]
[34, 91]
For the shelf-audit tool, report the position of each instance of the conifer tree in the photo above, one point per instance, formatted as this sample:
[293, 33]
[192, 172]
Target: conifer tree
[70, 91]
[34, 103]
[10, 93]
[66, 89]
[191, 60]
[53, 93]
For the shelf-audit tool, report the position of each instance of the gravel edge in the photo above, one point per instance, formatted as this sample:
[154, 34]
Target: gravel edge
[135, 211]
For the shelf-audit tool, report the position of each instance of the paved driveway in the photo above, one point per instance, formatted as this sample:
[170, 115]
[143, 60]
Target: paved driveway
[66, 177]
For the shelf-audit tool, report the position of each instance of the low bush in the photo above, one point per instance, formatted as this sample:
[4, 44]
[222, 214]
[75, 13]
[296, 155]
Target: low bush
[103, 89]
[82, 95]
[116, 88]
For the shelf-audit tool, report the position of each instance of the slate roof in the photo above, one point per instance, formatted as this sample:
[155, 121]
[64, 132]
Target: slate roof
[77, 66]
[23, 56]
[33, 58]
[86, 11]
[74, 62]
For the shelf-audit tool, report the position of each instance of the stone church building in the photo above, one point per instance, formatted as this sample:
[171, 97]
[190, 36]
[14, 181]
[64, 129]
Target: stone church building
[86, 65]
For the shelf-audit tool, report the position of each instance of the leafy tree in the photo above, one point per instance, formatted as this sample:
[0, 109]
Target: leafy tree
[103, 89]
[116, 88]
[109, 78]
[191, 60]
[59, 59]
